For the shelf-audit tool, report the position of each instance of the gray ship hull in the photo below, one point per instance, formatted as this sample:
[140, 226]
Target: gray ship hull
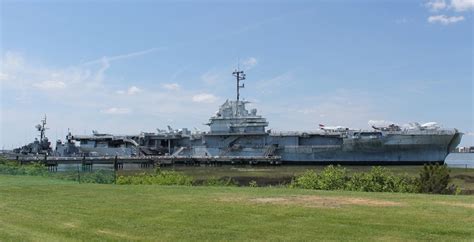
[340, 148]
[394, 149]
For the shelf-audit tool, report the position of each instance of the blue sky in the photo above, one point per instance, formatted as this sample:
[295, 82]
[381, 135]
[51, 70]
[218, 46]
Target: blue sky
[129, 66]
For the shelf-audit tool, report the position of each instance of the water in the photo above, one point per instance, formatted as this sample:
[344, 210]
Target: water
[460, 160]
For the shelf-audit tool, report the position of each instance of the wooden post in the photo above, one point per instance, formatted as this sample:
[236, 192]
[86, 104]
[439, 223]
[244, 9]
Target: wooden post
[78, 174]
[115, 163]
[115, 169]
[83, 162]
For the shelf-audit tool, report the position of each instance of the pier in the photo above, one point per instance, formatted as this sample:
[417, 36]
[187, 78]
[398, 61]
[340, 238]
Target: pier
[147, 161]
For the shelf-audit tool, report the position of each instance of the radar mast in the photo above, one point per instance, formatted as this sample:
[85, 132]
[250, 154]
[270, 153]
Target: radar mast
[240, 76]
[42, 128]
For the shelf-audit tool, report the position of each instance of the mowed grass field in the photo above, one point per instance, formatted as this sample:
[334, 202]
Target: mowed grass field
[41, 209]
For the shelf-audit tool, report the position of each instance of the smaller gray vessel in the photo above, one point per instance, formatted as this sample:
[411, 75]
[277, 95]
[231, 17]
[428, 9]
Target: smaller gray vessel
[37, 147]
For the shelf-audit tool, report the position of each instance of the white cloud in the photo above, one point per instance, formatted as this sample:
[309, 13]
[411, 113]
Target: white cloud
[10, 62]
[133, 90]
[12, 59]
[115, 110]
[123, 56]
[23, 80]
[99, 76]
[456, 5]
[275, 83]
[436, 5]
[130, 91]
[204, 98]
[19, 74]
[171, 86]
[210, 77]
[249, 63]
[462, 5]
[331, 109]
[50, 85]
[445, 20]
[3, 76]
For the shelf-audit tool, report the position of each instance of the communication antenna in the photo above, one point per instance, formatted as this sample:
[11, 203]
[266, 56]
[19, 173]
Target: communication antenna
[240, 76]
[42, 128]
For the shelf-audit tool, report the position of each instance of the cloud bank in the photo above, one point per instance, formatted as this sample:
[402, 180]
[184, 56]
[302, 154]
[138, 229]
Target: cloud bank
[445, 20]
[448, 6]
[204, 98]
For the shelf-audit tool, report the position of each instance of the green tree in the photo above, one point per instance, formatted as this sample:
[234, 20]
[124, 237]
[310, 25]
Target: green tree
[435, 179]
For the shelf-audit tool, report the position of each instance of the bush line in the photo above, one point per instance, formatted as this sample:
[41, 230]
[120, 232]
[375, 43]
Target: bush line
[432, 179]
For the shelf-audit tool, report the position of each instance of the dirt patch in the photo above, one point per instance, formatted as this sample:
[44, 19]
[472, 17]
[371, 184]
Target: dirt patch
[116, 234]
[316, 201]
[465, 205]
[70, 225]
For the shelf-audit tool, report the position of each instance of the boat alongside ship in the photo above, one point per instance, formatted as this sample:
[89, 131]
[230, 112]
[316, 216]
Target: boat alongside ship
[238, 134]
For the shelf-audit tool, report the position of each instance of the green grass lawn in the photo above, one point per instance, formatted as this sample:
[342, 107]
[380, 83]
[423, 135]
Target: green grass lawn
[36, 208]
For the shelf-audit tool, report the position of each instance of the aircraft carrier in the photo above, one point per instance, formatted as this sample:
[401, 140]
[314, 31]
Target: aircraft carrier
[238, 134]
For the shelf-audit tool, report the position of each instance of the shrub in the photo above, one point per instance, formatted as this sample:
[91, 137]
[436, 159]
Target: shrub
[5, 161]
[308, 180]
[158, 178]
[13, 168]
[405, 183]
[379, 179]
[38, 169]
[435, 179]
[99, 176]
[213, 181]
[376, 180]
[333, 178]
